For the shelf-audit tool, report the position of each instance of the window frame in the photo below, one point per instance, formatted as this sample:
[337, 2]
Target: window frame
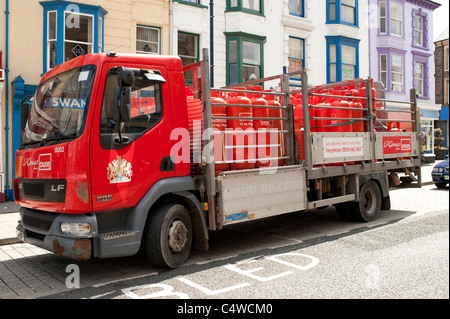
[425, 29]
[338, 13]
[338, 42]
[395, 72]
[60, 7]
[240, 38]
[389, 52]
[402, 28]
[302, 5]
[303, 59]
[240, 7]
[424, 59]
[159, 39]
[91, 44]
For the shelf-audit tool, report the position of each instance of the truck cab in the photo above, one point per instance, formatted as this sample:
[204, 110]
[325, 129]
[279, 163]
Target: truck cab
[85, 164]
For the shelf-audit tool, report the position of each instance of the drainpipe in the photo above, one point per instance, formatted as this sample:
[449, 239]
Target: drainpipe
[171, 37]
[211, 39]
[7, 100]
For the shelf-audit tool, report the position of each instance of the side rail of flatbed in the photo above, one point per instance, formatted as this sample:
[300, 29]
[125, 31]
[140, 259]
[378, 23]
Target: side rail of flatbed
[315, 165]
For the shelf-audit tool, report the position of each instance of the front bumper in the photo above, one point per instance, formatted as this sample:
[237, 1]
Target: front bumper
[440, 178]
[44, 230]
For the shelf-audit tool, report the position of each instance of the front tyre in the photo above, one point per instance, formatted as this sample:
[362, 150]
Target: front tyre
[167, 239]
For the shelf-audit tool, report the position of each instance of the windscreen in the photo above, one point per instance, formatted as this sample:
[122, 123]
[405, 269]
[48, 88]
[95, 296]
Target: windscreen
[59, 108]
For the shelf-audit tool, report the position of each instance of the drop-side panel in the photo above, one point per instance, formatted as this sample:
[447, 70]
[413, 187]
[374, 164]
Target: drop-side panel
[257, 194]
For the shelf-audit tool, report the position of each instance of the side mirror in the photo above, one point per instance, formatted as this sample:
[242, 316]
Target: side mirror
[122, 99]
[122, 96]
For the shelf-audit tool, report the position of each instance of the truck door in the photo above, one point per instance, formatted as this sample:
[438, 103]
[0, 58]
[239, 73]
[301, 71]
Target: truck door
[125, 167]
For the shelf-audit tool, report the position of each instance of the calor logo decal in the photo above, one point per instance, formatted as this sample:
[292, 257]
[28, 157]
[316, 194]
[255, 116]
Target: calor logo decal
[45, 162]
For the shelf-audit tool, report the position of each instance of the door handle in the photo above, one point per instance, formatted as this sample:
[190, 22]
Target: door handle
[167, 164]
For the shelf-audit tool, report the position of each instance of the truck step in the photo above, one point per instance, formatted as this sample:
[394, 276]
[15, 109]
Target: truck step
[117, 235]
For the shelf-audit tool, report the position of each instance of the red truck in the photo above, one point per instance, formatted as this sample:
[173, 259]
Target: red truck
[118, 155]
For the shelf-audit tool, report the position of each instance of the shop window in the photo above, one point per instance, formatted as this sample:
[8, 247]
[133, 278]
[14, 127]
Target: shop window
[148, 40]
[70, 30]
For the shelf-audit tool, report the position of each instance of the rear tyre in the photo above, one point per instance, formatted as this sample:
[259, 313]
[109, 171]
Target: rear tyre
[368, 207]
[167, 239]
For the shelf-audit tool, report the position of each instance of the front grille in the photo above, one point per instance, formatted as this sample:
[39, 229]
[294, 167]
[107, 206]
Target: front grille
[43, 190]
[36, 190]
[39, 220]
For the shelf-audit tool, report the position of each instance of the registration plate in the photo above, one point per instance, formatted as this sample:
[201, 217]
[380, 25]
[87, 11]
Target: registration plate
[446, 177]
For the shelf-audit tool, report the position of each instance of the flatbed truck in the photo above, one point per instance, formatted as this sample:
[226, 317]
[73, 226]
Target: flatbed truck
[119, 155]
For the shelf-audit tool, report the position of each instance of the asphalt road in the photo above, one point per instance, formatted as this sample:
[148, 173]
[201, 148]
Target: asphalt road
[313, 255]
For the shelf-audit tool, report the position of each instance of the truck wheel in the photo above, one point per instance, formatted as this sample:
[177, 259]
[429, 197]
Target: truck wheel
[368, 207]
[167, 240]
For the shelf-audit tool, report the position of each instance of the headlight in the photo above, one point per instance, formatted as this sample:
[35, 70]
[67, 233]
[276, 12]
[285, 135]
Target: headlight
[78, 229]
[441, 169]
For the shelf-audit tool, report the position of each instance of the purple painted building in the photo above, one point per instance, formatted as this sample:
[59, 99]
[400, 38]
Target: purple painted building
[401, 57]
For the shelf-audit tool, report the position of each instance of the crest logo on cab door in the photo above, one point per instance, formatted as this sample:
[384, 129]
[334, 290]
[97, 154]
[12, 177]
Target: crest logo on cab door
[119, 171]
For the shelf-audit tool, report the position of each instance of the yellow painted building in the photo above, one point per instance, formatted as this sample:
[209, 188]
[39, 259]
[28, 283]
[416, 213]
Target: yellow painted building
[38, 35]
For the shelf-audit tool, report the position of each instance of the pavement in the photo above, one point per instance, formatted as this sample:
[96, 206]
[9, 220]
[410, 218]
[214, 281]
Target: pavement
[9, 212]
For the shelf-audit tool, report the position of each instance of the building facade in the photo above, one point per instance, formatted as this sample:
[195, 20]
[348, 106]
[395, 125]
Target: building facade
[441, 56]
[401, 57]
[256, 38]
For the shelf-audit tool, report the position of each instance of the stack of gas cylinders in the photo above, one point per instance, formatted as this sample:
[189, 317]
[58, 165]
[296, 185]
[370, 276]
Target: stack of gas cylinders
[343, 113]
[248, 124]
[250, 137]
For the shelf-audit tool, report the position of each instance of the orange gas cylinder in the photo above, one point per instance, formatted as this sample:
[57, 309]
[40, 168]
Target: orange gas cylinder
[243, 143]
[261, 126]
[219, 126]
[276, 125]
[340, 113]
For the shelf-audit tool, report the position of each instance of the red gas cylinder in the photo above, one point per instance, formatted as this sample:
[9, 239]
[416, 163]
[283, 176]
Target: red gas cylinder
[261, 126]
[219, 125]
[321, 124]
[243, 144]
[276, 124]
[341, 113]
[195, 124]
[357, 114]
[300, 139]
[395, 127]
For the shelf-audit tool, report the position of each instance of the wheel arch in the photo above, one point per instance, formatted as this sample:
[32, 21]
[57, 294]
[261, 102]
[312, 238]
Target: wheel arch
[176, 190]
